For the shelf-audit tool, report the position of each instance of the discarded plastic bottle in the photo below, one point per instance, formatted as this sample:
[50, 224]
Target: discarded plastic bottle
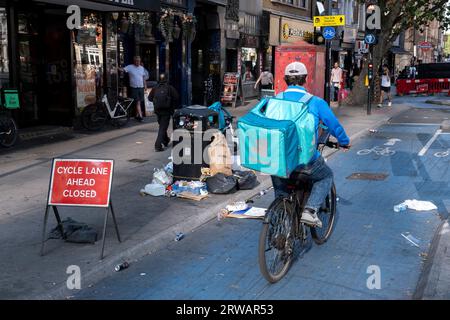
[400, 207]
[179, 237]
[122, 266]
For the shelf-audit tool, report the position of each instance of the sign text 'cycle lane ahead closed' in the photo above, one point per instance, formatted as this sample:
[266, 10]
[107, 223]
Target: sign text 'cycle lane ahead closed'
[80, 183]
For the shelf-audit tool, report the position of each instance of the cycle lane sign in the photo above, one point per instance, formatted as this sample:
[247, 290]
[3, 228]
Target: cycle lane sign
[80, 183]
[329, 33]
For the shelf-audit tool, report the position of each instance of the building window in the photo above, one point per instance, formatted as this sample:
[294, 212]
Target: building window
[295, 3]
[4, 60]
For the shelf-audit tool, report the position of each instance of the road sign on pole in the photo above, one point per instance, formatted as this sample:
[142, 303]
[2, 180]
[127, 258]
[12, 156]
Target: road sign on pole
[370, 38]
[329, 21]
[329, 33]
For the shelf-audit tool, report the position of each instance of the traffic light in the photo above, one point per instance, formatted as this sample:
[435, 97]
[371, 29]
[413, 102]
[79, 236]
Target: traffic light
[319, 39]
[370, 71]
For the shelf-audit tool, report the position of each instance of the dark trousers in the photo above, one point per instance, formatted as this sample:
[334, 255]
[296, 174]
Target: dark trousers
[163, 138]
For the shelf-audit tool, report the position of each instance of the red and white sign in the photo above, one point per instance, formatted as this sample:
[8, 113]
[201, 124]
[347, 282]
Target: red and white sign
[76, 182]
[425, 45]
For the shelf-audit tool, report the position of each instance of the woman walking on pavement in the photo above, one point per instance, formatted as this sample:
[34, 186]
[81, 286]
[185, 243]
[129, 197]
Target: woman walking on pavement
[385, 86]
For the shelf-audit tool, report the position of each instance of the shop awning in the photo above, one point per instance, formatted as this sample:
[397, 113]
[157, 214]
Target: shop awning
[110, 5]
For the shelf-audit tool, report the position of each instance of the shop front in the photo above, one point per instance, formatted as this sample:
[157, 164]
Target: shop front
[58, 70]
[206, 55]
[285, 31]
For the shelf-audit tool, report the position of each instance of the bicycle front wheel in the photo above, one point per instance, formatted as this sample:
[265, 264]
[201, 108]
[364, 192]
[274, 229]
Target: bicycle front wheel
[327, 214]
[8, 131]
[121, 117]
[276, 241]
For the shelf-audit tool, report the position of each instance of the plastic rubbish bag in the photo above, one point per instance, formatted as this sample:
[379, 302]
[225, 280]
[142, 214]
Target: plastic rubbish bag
[219, 155]
[222, 184]
[169, 168]
[155, 189]
[160, 176]
[246, 180]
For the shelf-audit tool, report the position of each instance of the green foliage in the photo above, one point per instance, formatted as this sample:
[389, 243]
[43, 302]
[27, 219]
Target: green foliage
[399, 15]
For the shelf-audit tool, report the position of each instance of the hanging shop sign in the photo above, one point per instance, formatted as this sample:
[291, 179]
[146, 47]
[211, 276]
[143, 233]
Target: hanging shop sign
[295, 30]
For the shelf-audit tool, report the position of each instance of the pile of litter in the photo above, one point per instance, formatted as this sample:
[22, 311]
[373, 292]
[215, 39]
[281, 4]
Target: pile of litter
[163, 184]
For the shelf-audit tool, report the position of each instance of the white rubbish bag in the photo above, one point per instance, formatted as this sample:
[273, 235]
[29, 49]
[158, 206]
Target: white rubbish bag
[155, 189]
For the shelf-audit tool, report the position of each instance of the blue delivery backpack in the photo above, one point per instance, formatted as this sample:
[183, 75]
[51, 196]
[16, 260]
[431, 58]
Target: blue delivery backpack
[277, 136]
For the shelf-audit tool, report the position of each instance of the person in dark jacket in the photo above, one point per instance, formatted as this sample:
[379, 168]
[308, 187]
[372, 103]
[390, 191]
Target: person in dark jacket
[165, 99]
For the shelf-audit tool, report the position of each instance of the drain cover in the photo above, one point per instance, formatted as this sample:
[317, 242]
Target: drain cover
[368, 176]
[138, 160]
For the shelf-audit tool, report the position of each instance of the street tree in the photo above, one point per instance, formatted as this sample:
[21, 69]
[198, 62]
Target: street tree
[398, 16]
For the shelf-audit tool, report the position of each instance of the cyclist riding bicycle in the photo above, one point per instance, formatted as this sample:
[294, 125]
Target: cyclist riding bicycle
[316, 170]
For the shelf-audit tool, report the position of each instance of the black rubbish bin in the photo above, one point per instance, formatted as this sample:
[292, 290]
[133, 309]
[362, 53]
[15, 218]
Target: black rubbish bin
[190, 141]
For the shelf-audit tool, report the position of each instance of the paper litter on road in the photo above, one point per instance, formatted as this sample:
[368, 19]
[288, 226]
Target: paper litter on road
[420, 205]
[251, 213]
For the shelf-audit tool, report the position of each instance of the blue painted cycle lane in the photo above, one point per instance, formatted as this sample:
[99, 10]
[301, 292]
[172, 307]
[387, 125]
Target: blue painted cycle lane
[220, 260]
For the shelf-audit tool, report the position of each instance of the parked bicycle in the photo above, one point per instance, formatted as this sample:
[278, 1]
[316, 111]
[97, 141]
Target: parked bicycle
[94, 116]
[8, 127]
[378, 151]
[282, 230]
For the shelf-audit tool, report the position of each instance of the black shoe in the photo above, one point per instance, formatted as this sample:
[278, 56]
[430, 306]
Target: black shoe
[159, 149]
[166, 145]
[139, 119]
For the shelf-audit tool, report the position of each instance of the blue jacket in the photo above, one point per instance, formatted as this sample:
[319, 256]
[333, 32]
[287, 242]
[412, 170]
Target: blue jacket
[321, 111]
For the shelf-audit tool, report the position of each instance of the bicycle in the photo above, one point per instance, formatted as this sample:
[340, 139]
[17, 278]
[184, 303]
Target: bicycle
[378, 151]
[8, 127]
[282, 228]
[95, 115]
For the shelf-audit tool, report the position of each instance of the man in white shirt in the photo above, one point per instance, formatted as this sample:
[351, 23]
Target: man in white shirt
[336, 78]
[138, 76]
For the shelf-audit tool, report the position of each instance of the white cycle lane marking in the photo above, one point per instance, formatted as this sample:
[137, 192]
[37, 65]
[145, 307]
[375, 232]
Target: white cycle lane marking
[392, 142]
[377, 150]
[442, 154]
[429, 143]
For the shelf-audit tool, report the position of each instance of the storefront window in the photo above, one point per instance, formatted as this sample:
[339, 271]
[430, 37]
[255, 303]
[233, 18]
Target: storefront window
[88, 64]
[4, 60]
[111, 56]
[249, 64]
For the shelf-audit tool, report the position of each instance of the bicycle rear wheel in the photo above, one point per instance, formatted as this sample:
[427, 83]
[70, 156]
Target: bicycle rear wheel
[327, 214]
[276, 240]
[94, 117]
[8, 131]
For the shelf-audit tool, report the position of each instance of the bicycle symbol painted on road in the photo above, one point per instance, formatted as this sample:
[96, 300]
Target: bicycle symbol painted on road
[442, 154]
[387, 152]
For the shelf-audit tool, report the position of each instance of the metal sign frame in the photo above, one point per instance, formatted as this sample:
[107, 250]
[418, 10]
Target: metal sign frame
[49, 205]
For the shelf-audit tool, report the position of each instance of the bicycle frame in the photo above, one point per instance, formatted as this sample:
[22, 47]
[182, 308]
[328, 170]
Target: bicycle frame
[112, 112]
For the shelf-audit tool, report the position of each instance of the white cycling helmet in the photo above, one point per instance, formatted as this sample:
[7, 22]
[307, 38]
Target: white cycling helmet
[295, 69]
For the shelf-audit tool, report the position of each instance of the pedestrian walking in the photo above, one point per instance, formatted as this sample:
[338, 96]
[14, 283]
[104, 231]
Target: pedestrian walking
[266, 80]
[138, 84]
[385, 86]
[336, 78]
[165, 98]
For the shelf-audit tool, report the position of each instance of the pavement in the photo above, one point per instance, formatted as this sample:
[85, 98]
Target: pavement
[146, 224]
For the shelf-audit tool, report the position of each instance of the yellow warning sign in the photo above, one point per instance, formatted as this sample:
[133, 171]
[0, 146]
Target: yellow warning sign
[329, 21]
